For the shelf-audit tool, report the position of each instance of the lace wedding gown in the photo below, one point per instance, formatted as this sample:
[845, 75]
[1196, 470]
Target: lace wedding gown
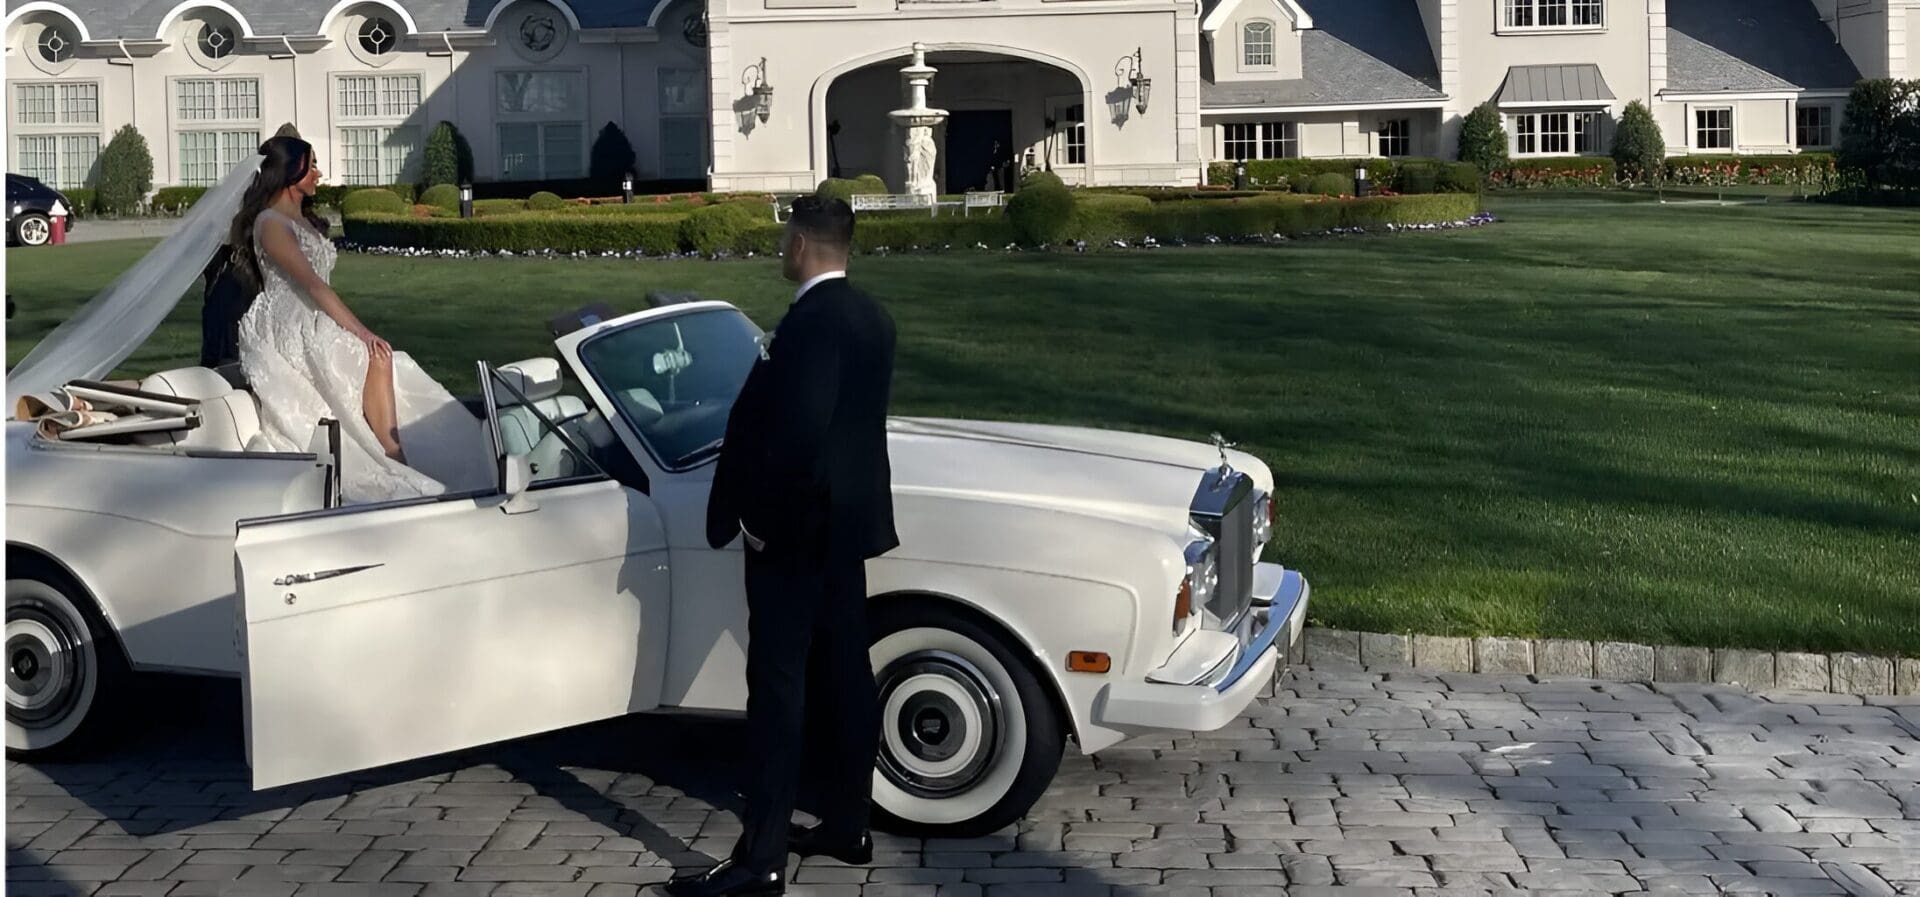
[303, 366]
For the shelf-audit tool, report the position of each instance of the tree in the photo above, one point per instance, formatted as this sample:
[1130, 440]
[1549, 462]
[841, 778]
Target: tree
[1638, 149]
[126, 173]
[613, 156]
[1483, 140]
[440, 162]
[1880, 138]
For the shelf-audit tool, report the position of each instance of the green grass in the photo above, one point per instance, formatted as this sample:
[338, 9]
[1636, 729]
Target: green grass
[1676, 424]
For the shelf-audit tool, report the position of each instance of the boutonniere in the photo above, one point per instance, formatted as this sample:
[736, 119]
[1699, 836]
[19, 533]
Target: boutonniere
[765, 342]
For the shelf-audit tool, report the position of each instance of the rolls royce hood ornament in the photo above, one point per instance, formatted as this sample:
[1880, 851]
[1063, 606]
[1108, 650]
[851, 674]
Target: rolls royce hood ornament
[1221, 444]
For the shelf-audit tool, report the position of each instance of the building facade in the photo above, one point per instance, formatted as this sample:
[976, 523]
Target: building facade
[777, 94]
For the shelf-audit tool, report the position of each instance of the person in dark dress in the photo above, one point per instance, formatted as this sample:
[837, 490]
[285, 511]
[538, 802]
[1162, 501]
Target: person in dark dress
[804, 478]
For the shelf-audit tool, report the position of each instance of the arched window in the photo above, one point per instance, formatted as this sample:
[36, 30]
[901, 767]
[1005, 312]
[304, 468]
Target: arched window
[377, 36]
[1256, 44]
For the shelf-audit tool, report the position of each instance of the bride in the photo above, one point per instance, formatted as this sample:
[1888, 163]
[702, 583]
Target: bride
[307, 356]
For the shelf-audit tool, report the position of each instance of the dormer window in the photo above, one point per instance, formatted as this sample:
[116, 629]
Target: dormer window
[1256, 45]
[1553, 15]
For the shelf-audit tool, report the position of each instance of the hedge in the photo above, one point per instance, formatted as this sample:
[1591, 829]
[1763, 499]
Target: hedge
[545, 202]
[174, 200]
[1198, 219]
[83, 201]
[1330, 184]
[845, 189]
[655, 235]
[1290, 173]
[578, 187]
[1437, 177]
[373, 200]
[1819, 170]
[443, 196]
[1560, 173]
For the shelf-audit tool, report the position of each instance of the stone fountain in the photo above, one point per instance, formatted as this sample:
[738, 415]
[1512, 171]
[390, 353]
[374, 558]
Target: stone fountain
[919, 122]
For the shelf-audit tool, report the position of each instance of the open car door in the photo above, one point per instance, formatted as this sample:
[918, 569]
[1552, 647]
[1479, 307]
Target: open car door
[382, 633]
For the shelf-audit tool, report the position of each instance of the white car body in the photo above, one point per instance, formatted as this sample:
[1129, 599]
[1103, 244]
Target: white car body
[367, 635]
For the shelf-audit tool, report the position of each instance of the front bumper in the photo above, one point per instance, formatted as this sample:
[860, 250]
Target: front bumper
[1279, 612]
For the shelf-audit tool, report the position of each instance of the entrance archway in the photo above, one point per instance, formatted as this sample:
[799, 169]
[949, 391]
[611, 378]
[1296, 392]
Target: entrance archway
[1004, 102]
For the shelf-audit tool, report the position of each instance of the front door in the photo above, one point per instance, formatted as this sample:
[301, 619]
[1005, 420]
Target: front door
[391, 632]
[979, 150]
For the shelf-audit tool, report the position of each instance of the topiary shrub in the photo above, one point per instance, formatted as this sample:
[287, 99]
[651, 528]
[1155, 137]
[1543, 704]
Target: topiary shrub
[1038, 177]
[1041, 211]
[1418, 178]
[1460, 177]
[1105, 217]
[870, 183]
[442, 196]
[546, 202]
[126, 173]
[440, 160]
[720, 226]
[841, 189]
[612, 157]
[373, 201]
[1330, 184]
[1639, 152]
[1483, 140]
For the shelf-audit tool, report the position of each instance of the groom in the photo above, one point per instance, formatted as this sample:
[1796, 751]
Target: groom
[803, 476]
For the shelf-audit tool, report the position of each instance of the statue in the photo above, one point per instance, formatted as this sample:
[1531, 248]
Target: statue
[920, 157]
[919, 122]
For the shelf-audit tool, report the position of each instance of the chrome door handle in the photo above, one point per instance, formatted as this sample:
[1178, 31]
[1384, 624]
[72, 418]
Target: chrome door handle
[294, 579]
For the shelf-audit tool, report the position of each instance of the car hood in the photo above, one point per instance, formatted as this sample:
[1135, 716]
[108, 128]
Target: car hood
[1127, 477]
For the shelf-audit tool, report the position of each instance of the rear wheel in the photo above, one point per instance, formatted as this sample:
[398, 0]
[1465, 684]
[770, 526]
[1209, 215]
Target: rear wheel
[32, 229]
[63, 665]
[969, 736]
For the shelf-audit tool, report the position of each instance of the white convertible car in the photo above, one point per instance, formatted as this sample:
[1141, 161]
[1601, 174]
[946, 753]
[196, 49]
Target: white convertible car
[1051, 584]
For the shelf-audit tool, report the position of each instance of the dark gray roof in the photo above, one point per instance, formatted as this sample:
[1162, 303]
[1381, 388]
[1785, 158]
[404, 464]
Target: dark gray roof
[1359, 51]
[1749, 45]
[140, 19]
[1580, 83]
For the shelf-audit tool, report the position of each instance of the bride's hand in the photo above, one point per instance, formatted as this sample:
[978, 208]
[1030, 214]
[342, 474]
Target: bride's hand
[375, 345]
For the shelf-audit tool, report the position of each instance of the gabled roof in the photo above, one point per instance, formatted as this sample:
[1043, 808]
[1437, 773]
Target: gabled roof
[1752, 45]
[1361, 51]
[142, 19]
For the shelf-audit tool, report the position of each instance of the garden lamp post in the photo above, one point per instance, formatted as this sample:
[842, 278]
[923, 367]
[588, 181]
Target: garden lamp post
[1240, 174]
[626, 188]
[1360, 185]
[466, 200]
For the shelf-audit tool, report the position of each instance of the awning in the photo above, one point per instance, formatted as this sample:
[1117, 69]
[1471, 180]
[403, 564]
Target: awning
[1555, 85]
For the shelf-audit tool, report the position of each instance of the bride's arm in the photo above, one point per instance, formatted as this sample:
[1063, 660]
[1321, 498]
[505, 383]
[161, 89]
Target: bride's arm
[282, 248]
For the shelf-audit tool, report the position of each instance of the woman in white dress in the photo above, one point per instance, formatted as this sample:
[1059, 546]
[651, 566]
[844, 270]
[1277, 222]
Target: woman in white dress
[307, 356]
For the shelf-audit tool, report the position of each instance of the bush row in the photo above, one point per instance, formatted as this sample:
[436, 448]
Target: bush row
[1817, 170]
[1291, 174]
[747, 226]
[1553, 174]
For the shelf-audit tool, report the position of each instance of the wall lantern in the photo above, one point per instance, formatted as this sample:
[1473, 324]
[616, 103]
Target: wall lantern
[1130, 68]
[755, 78]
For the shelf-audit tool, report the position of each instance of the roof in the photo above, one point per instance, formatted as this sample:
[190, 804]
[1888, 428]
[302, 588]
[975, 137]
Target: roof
[141, 19]
[1361, 51]
[1752, 45]
[1580, 83]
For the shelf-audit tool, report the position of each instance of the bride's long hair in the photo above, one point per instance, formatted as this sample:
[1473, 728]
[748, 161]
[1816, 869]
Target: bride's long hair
[286, 163]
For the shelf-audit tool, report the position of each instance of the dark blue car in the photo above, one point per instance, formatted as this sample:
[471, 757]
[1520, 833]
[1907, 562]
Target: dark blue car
[29, 208]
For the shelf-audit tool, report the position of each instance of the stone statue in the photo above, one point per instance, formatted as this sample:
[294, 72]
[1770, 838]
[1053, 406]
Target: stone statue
[920, 158]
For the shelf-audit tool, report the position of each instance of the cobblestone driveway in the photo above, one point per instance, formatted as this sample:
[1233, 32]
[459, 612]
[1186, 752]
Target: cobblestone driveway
[1351, 783]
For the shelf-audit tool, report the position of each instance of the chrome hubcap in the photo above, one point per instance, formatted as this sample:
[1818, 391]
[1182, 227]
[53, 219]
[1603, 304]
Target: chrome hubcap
[34, 232]
[45, 666]
[941, 724]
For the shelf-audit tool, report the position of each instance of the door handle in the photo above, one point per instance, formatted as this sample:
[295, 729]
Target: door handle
[294, 579]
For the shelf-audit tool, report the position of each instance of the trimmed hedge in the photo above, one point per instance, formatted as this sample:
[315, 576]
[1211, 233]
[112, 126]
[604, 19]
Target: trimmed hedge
[1415, 178]
[1042, 211]
[1291, 173]
[175, 200]
[83, 200]
[655, 235]
[545, 202]
[1818, 170]
[1330, 184]
[993, 231]
[1103, 217]
[845, 189]
[374, 200]
[1536, 174]
[1197, 219]
[581, 187]
[498, 207]
[335, 195]
[442, 196]
[721, 227]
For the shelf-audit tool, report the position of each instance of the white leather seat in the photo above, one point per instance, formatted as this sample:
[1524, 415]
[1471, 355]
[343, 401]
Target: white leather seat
[521, 433]
[228, 417]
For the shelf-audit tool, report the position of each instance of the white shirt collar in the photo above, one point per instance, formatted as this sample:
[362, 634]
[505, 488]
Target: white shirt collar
[816, 280]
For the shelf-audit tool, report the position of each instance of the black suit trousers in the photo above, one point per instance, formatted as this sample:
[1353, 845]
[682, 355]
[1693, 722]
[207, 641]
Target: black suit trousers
[808, 682]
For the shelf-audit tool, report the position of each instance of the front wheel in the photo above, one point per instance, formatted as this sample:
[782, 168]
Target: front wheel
[32, 229]
[969, 736]
[63, 666]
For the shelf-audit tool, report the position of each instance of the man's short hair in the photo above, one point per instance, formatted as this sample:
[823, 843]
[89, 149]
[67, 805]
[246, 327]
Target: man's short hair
[827, 220]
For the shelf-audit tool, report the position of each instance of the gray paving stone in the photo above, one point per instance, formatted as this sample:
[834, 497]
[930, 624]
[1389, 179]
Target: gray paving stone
[1623, 662]
[1802, 672]
[1861, 674]
[1682, 664]
[1563, 658]
[1906, 676]
[1383, 651]
[1333, 649]
[1443, 653]
[1503, 655]
[1750, 669]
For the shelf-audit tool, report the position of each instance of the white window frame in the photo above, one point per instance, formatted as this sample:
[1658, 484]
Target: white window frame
[1279, 139]
[1533, 131]
[1695, 128]
[394, 121]
[1248, 62]
[1386, 132]
[1069, 134]
[1829, 112]
[541, 122]
[235, 136]
[63, 128]
[1550, 16]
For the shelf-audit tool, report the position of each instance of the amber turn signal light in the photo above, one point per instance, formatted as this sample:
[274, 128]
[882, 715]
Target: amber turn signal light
[1182, 604]
[1088, 662]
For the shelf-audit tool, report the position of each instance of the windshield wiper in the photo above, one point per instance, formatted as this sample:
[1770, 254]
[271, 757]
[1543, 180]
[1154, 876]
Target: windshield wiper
[700, 453]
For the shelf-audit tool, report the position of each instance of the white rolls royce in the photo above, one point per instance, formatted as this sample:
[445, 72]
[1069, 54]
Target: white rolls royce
[1052, 583]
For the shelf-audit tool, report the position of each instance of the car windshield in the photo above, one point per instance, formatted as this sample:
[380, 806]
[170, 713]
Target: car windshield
[674, 378]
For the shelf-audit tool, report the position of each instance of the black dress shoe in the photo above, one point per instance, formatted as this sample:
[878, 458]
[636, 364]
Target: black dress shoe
[809, 841]
[726, 879]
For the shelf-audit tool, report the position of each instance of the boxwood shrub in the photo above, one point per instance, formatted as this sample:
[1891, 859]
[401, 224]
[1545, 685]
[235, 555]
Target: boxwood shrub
[1331, 184]
[1292, 173]
[1042, 211]
[721, 226]
[545, 202]
[442, 196]
[175, 200]
[653, 234]
[373, 200]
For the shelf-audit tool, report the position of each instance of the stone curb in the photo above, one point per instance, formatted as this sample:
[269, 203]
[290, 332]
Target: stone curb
[1839, 673]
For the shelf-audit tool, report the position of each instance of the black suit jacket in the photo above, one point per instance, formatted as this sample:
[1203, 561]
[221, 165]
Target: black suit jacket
[804, 465]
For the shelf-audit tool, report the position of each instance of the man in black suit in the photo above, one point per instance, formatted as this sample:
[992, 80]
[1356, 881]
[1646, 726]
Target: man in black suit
[803, 478]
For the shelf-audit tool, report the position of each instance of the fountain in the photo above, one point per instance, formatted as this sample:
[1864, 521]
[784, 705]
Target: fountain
[919, 121]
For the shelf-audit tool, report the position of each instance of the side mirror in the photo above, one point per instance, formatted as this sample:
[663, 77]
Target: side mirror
[516, 478]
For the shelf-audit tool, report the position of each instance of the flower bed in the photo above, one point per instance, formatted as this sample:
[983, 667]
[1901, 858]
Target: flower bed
[1817, 171]
[1553, 174]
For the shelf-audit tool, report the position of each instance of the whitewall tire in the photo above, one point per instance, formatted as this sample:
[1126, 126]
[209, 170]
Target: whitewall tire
[32, 229]
[969, 736]
[62, 665]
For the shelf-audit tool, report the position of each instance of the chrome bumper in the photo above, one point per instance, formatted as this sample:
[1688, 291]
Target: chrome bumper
[1279, 611]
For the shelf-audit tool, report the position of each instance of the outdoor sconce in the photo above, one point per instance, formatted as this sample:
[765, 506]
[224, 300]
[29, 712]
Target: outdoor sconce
[1130, 68]
[466, 200]
[755, 77]
[626, 188]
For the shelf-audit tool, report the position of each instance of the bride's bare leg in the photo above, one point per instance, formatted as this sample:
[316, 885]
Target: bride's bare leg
[380, 407]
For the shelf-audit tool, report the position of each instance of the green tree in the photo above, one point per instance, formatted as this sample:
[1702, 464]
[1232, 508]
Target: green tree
[1483, 140]
[126, 173]
[612, 156]
[1880, 138]
[440, 162]
[1638, 149]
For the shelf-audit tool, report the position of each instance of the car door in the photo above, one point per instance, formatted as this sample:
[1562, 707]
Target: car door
[377, 634]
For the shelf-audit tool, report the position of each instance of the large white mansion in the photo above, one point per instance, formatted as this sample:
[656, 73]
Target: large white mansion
[777, 94]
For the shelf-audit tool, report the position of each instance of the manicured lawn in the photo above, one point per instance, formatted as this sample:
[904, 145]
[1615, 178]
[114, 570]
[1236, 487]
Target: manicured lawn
[1690, 424]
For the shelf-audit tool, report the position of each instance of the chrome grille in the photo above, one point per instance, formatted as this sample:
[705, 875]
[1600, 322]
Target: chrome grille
[1224, 507]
